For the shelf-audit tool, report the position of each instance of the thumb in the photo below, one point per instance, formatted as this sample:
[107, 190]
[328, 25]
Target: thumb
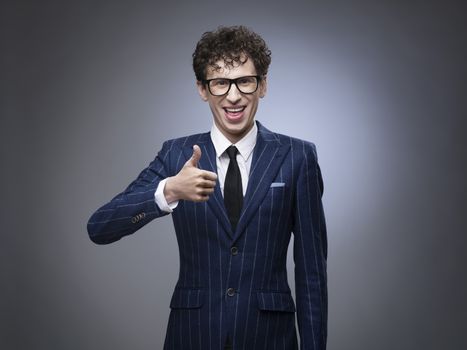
[193, 161]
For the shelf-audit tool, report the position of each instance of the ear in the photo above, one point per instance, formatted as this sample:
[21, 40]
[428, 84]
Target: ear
[202, 91]
[263, 87]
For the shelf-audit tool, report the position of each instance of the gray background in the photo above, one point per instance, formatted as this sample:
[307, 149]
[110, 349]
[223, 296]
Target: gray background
[90, 90]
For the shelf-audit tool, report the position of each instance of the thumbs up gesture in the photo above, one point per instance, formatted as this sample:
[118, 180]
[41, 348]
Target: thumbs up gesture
[190, 183]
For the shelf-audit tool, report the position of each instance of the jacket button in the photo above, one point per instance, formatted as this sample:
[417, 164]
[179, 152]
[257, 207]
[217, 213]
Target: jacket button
[234, 250]
[230, 292]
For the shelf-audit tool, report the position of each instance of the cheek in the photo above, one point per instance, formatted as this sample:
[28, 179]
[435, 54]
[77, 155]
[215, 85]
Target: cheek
[214, 107]
[253, 106]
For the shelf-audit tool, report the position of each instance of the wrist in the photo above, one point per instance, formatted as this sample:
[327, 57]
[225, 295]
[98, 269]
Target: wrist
[169, 191]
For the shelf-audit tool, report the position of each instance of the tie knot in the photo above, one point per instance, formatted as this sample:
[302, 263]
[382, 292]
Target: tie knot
[232, 152]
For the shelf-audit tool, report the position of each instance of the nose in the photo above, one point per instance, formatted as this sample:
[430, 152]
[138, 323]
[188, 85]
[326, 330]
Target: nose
[234, 95]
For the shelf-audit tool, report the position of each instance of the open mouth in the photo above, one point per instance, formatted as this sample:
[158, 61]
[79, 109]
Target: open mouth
[234, 110]
[234, 114]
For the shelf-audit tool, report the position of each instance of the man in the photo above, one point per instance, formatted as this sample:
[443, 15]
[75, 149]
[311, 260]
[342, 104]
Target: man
[236, 194]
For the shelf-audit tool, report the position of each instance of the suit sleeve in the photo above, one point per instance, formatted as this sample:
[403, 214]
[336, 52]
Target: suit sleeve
[133, 208]
[310, 253]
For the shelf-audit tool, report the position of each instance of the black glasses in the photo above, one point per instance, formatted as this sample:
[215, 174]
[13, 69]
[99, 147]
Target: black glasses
[221, 86]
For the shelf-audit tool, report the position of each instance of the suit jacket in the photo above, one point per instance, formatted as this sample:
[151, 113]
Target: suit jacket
[234, 283]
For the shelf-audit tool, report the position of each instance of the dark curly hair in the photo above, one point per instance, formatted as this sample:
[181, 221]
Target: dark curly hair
[230, 44]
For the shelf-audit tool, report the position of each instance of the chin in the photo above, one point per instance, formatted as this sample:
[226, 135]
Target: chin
[237, 127]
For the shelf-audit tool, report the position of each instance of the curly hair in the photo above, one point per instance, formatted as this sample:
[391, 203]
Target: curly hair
[233, 45]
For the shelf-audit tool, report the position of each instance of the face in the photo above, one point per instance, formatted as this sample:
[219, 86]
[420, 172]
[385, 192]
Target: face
[234, 112]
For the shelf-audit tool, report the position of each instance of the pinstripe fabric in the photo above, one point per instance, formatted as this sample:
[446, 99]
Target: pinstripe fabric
[242, 293]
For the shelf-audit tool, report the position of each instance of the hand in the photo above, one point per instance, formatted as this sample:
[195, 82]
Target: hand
[190, 183]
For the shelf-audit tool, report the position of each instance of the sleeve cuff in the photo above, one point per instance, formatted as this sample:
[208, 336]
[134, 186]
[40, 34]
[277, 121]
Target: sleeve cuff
[160, 198]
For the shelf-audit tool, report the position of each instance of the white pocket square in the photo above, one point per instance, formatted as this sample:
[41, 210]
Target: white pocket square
[278, 184]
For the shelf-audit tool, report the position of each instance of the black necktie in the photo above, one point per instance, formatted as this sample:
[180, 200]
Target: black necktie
[233, 194]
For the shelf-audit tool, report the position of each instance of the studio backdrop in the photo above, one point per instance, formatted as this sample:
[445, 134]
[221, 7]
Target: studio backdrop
[91, 89]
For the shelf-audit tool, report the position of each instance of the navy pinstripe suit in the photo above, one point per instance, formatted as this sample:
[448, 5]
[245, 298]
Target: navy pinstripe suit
[235, 283]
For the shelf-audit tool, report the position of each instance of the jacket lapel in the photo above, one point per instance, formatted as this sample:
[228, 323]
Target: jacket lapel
[208, 162]
[268, 156]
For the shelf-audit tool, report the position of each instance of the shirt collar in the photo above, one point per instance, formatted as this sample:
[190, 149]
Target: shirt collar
[245, 146]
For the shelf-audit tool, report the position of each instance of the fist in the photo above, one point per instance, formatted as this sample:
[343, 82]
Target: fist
[191, 183]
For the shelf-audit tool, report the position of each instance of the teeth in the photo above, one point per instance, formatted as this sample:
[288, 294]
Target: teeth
[234, 110]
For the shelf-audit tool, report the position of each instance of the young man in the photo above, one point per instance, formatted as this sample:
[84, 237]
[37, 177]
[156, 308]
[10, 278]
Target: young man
[236, 194]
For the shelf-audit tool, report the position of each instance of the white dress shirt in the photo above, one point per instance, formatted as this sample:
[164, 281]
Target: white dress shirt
[244, 156]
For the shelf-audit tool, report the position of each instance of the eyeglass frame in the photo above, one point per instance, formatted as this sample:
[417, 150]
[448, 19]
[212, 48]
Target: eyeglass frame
[234, 81]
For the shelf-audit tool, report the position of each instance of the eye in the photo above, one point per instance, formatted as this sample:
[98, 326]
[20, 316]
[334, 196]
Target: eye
[220, 82]
[246, 80]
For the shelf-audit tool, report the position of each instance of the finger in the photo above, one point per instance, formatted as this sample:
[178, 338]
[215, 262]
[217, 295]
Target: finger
[193, 161]
[209, 175]
[207, 184]
[206, 191]
[201, 198]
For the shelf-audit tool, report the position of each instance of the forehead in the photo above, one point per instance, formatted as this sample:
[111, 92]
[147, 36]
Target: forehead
[238, 70]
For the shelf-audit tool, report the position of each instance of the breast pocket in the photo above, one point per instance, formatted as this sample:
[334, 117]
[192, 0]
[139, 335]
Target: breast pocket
[276, 197]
